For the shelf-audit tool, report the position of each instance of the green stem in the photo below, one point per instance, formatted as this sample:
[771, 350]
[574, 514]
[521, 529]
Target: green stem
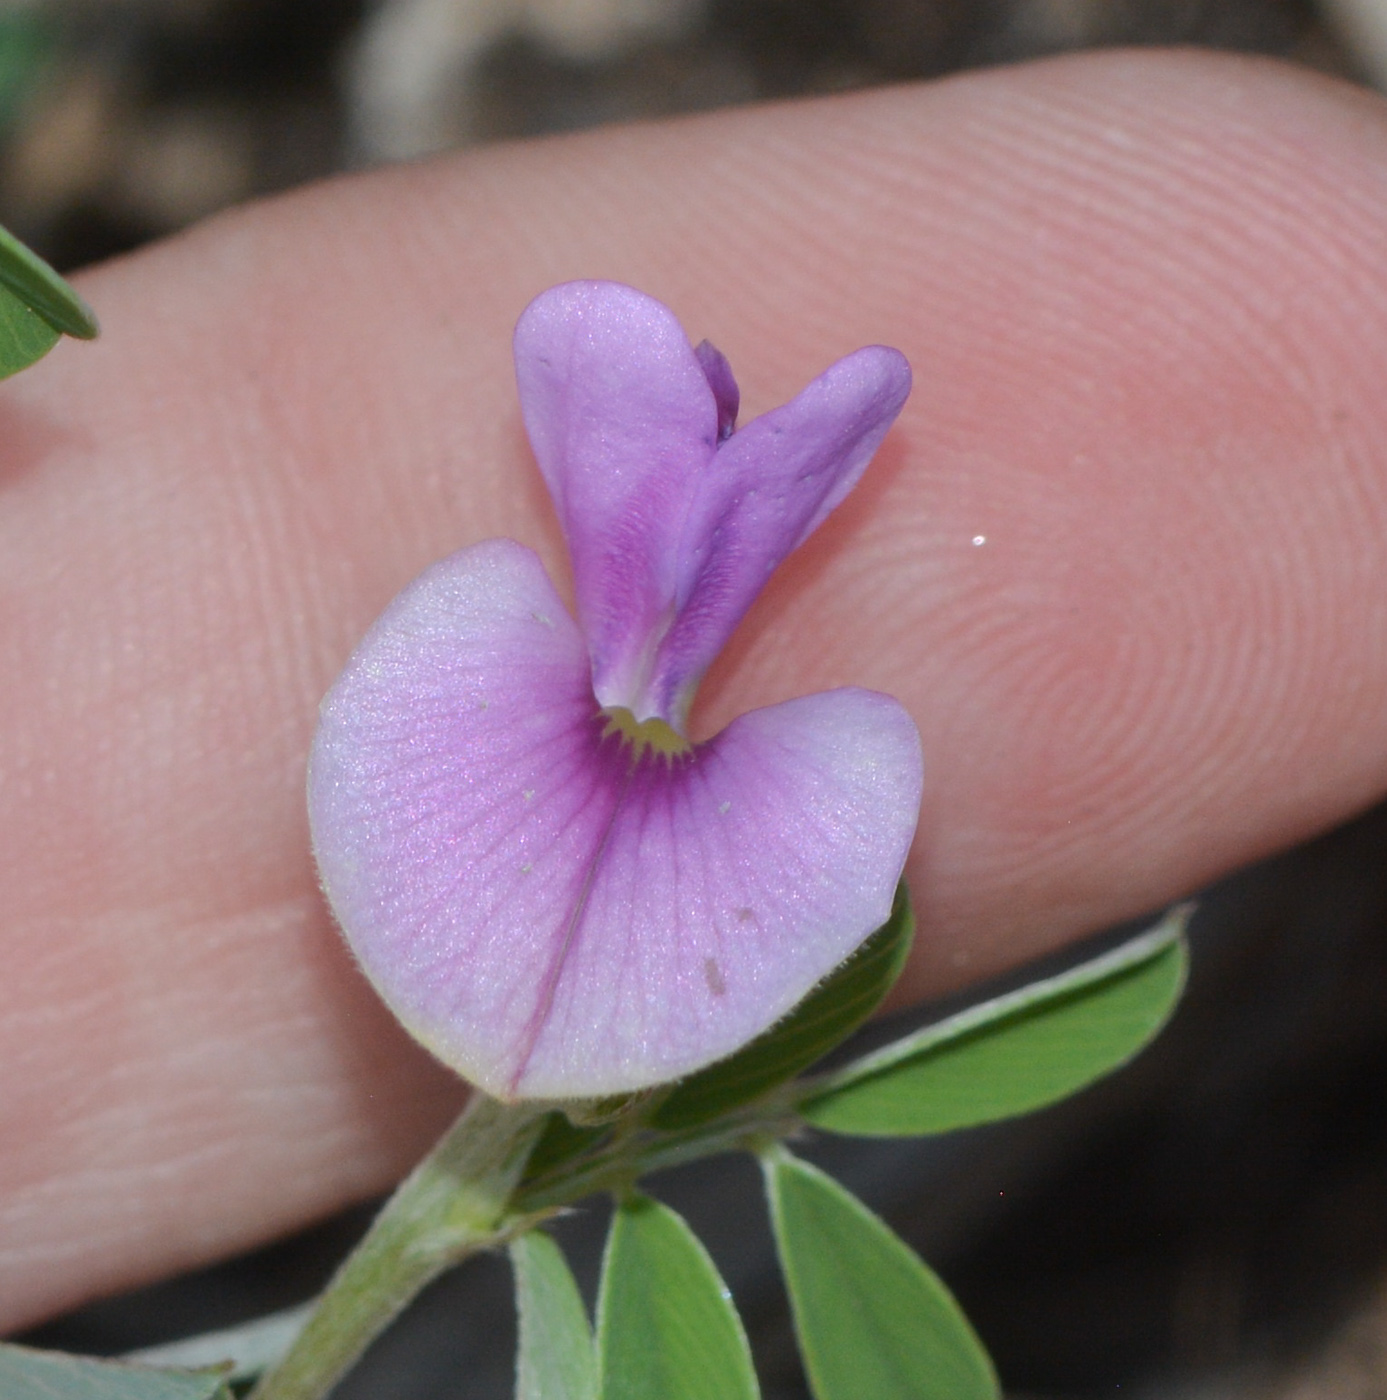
[453, 1204]
[637, 1155]
[466, 1196]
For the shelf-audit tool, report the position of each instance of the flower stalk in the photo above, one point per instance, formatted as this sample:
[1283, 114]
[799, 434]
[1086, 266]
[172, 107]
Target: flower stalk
[470, 1195]
[454, 1204]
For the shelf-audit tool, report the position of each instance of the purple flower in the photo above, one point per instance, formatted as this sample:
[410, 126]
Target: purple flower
[553, 889]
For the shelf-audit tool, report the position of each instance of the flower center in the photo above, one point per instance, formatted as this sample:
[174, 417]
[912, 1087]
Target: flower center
[644, 736]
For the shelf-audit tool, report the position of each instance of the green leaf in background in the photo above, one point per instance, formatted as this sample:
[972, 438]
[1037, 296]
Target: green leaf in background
[871, 1318]
[28, 41]
[49, 1375]
[26, 274]
[667, 1329]
[556, 1359]
[825, 1018]
[242, 1351]
[1016, 1052]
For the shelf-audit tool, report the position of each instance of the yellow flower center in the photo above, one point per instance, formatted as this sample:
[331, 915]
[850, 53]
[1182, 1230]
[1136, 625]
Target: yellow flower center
[644, 736]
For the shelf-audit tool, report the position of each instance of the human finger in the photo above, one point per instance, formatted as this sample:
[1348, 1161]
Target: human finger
[1142, 298]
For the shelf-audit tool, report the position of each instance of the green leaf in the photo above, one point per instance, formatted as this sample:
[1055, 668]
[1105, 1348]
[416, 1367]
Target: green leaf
[666, 1326]
[26, 1374]
[1016, 1052]
[242, 1351]
[871, 1318]
[825, 1018]
[556, 1359]
[24, 335]
[37, 286]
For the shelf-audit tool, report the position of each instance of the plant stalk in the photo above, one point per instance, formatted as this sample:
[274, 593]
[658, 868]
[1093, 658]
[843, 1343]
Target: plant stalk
[455, 1203]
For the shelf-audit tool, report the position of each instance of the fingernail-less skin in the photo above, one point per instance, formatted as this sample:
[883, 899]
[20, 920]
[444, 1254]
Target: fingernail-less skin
[1144, 303]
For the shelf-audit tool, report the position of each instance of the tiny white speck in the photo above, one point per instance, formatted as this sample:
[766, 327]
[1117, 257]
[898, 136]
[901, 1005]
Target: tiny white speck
[526, 868]
[979, 539]
[528, 794]
[724, 807]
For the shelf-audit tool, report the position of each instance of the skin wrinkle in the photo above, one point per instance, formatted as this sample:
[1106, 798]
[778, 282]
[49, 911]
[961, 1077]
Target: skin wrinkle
[909, 217]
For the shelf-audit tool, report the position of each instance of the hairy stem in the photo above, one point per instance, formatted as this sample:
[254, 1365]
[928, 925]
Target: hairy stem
[453, 1204]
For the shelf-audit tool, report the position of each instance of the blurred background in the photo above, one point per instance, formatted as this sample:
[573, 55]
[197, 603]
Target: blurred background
[1209, 1225]
[121, 120]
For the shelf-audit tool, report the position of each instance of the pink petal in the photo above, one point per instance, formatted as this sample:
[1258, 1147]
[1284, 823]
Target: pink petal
[728, 887]
[622, 420]
[771, 484]
[549, 919]
[454, 804]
